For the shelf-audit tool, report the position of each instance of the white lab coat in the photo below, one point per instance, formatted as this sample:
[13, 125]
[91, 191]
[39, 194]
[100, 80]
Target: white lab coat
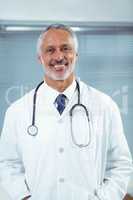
[50, 166]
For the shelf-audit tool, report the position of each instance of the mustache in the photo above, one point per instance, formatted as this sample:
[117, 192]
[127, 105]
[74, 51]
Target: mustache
[58, 62]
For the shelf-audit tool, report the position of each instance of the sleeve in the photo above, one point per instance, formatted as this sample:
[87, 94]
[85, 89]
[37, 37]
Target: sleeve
[12, 172]
[119, 162]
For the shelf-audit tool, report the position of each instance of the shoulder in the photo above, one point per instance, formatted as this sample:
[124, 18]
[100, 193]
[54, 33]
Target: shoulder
[21, 104]
[98, 98]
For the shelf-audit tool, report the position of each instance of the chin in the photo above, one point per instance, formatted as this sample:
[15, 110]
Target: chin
[67, 73]
[56, 77]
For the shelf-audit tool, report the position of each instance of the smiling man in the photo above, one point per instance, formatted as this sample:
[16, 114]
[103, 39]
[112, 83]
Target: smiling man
[75, 148]
[57, 51]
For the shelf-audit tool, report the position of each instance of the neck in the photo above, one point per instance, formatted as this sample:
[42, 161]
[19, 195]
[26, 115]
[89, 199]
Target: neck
[59, 85]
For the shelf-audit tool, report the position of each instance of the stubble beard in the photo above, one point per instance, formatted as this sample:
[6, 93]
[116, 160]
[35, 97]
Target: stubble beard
[52, 75]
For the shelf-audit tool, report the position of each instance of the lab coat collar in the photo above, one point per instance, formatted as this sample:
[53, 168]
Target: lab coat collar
[51, 93]
[70, 90]
[46, 97]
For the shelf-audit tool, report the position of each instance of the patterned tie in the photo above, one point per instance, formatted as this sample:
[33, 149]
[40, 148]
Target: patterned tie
[60, 103]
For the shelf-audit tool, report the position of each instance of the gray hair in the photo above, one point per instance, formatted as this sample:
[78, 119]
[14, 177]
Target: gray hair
[57, 26]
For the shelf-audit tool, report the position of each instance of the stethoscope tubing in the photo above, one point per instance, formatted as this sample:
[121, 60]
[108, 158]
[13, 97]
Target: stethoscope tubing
[33, 129]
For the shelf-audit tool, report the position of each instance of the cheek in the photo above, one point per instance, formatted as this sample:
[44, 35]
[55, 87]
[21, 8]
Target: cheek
[72, 58]
[45, 60]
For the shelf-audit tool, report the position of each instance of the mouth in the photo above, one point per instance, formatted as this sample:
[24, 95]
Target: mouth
[59, 67]
[59, 63]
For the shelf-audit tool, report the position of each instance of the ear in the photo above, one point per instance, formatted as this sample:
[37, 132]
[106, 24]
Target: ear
[40, 59]
[76, 56]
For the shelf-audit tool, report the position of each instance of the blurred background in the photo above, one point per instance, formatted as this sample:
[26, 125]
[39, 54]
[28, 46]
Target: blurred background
[105, 32]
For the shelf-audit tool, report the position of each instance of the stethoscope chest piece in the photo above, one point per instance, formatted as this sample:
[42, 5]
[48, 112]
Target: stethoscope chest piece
[32, 130]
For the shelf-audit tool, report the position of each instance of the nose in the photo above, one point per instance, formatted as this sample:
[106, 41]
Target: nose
[58, 55]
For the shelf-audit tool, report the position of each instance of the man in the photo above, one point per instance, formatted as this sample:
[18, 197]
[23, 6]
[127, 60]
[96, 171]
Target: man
[69, 158]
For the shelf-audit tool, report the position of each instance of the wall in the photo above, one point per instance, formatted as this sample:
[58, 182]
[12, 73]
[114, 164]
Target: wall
[108, 68]
[67, 10]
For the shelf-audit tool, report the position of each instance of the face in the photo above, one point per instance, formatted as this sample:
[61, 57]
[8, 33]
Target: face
[58, 54]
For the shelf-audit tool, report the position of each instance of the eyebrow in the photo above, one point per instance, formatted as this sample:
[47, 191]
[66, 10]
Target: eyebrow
[51, 46]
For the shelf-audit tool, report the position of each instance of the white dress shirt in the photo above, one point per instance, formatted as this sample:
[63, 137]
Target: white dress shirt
[50, 166]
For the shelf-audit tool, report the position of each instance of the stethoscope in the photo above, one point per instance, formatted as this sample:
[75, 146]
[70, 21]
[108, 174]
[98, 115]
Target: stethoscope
[33, 129]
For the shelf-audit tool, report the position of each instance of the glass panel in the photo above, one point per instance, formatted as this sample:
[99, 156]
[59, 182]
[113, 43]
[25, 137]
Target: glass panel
[105, 62]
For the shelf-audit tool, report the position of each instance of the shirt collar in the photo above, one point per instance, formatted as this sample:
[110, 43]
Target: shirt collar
[70, 90]
[50, 94]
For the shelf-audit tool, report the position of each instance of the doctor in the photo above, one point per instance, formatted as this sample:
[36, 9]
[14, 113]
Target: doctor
[50, 153]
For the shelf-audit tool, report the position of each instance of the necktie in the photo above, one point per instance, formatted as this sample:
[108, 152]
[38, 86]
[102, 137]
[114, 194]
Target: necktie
[60, 103]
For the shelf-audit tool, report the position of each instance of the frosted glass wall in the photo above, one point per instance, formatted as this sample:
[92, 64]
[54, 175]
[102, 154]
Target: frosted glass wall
[105, 62]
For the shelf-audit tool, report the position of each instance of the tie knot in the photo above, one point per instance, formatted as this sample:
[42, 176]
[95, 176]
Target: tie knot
[60, 102]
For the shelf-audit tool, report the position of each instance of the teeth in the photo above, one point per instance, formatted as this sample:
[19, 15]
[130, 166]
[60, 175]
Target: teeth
[59, 66]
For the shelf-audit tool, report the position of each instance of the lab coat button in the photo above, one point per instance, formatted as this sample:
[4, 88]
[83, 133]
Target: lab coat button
[60, 120]
[61, 180]
[61, 150]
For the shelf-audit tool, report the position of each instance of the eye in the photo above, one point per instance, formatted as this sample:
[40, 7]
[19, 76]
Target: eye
[50, 50]
[66, 48]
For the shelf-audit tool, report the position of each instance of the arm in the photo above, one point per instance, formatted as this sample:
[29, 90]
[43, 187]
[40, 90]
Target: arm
[12, 172]
[119, 162]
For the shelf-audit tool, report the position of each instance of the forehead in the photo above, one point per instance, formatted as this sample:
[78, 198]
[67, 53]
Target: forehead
[55, 37]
